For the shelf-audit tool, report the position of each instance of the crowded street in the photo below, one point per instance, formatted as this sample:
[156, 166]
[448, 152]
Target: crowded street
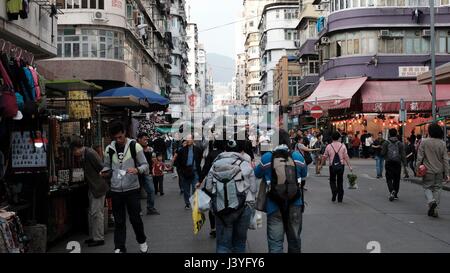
[364, 216]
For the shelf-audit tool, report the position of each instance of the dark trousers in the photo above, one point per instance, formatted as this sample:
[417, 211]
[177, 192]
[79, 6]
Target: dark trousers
[393, 174]
[212, 220]
[411, 165]
[158, 182]
[129, 201]
[337, 183]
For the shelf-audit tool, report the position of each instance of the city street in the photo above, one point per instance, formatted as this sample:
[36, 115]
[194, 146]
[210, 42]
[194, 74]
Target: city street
[365, 215]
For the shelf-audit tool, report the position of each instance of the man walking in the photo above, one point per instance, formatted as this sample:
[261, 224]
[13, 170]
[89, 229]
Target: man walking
[124, 161]
[365, 149]
[188, 160]
[284, 207]
[147, 180]
[394, 153]
[433, 156]
[92, 165]
[377, 144]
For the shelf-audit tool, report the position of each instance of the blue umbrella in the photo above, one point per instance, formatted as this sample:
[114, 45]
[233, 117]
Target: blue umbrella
[150, 96]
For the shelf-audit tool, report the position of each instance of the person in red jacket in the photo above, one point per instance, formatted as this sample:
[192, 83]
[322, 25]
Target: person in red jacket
[158, 173]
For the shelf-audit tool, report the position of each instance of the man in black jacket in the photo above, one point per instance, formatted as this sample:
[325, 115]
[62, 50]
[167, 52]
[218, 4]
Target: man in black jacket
[188, 161]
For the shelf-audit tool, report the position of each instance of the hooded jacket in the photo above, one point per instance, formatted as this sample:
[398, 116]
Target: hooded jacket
[127, 182]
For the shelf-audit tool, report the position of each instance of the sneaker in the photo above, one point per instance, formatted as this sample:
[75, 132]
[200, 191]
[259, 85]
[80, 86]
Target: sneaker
[187, 207]
[141, 214]
[118, 250]
[432, 210]
[152, 212]
[89, 241]
[143, 247]
[392, 196]
[333, 199]
[161, 194]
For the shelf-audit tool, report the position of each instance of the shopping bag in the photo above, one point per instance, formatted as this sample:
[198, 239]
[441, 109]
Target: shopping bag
[351, 182]
[198, 218]
[256, 220]
[261, 198]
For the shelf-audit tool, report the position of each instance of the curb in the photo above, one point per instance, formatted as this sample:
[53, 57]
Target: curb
[419, 182]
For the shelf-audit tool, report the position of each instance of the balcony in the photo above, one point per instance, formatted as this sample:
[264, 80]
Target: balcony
[307, 81]
[308, 48]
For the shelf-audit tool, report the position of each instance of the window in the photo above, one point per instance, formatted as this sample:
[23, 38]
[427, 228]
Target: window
[91, 43]
[293, 86]
[355, 3]
[269, 55]
[251, 23]
[83, 4]
[291, 34]
[277, 13]
[291, 14]
[313, 67]
[391, 46]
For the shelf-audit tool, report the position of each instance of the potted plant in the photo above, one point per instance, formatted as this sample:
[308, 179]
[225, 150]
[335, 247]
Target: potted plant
[352, 181]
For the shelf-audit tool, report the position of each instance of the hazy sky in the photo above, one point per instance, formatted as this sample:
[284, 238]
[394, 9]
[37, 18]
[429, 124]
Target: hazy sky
[214, 13]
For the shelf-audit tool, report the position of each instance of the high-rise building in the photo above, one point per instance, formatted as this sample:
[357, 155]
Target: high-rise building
[240, 81]
[130, 38]
[192, 69]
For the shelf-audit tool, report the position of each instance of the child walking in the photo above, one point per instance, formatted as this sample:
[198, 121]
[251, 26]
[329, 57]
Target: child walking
[158, 174]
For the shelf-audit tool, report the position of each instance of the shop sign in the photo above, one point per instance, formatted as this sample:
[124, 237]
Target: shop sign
[411, 71]
[444, 111]
[295, 121]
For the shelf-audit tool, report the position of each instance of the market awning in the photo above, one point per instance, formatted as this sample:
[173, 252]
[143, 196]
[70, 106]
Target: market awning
[384, 96]
[125, 101]
[72, 85]
[335, 94]
[442, 94]
[167, 130]
[442, 75]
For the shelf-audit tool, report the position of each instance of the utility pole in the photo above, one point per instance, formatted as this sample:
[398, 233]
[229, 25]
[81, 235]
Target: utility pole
[433, 60]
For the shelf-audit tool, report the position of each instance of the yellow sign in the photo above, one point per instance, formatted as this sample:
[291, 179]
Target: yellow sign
[79, 106]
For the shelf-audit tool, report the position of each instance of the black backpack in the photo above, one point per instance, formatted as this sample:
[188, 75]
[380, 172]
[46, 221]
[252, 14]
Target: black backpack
[336, 164]
[283, 168]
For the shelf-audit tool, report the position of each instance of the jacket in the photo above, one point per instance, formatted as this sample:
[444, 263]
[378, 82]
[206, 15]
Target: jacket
[92, 165]
[384, 149]
[227, 158]
[433, 153]
[127, 182]
[264, 170]
[182, 158]
[209, 160]
[332, 149]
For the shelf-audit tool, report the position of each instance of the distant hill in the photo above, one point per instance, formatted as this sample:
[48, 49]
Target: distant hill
[223, 67]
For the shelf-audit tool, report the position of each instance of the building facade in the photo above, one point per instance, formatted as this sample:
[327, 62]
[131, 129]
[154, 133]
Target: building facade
[252, 14]
[277, 29]
[178, 71]
[32, 34]
[286, 77]
[130, 38]
[192, 69]
[240, 81]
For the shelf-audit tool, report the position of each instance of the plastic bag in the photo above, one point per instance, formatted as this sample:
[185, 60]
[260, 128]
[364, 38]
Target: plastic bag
[198, 218]
[203, 200]
[352, 181]
[256, 220]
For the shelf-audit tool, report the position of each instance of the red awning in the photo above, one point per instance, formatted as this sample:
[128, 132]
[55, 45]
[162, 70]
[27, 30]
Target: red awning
[442, 94]
[334, 94]
[384, 96]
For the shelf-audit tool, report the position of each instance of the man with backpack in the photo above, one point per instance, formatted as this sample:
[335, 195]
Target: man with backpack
[231, 184]
[124, 160]
[282, 171]
[394, 153]
[337, 154]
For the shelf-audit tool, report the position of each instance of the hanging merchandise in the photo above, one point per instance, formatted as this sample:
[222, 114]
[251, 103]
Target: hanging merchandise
[29, 150]
[79, 107]
[8, 103]
[70, 128]
[12, 236]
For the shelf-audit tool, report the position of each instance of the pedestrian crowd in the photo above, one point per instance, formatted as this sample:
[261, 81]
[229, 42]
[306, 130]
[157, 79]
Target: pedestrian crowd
[238, 186]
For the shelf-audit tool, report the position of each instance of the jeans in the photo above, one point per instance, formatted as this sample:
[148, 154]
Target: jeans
[380, 162]
[393, 173]
[169, 152]
[276, 231]
[130, 201]
[231, 231]
[432, 185]
[188, 185]
[96, 217]
[150, 190]
[337, 183]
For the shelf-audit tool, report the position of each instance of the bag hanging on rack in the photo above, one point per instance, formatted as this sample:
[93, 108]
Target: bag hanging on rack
[8, 103]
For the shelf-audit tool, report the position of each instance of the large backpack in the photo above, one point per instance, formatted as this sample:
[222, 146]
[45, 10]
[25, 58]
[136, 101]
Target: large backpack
[284, 185]
[227, 190]
[336, 164]
[393, 151]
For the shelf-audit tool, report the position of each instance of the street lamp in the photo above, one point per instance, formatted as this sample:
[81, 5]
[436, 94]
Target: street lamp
[433, 60]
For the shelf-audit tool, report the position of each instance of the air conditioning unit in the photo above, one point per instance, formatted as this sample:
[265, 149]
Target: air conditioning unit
[384, 33]
[320, 8]
[324, 40]
[100, 16]
[426, 33]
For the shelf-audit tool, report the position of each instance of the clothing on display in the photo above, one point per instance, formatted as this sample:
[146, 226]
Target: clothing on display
[16, 8]
[12, 236]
